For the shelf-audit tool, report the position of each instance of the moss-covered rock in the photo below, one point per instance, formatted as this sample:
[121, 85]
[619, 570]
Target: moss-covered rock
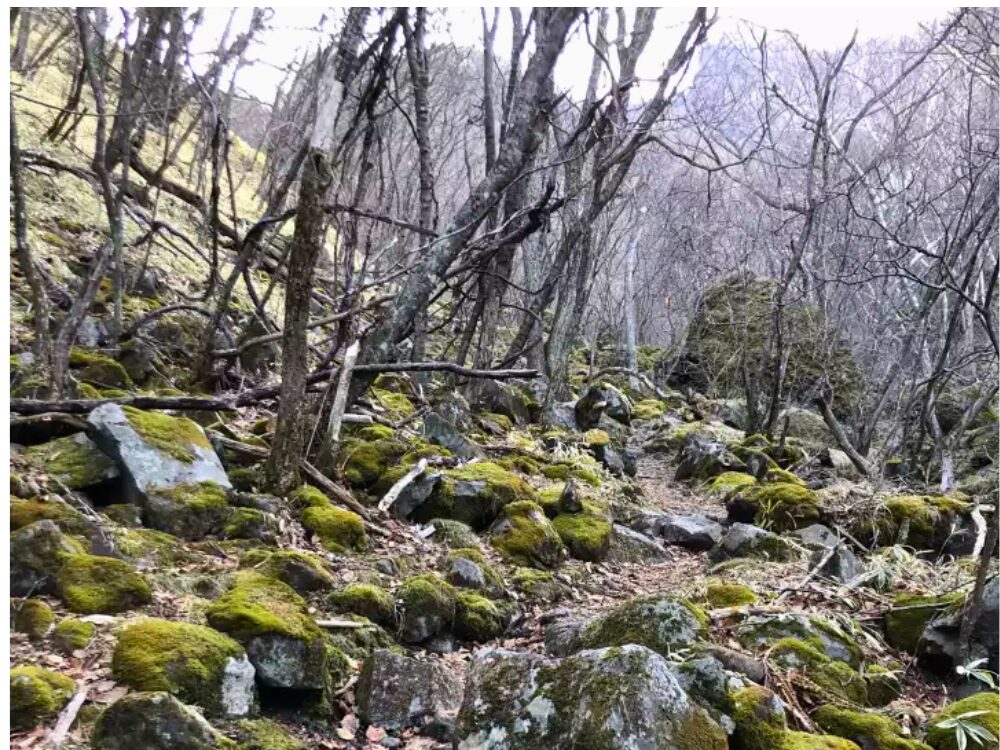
[75, 461]
[397, 404]
[175, 436]
[777, 505]
[124, 514]
[367, 600]
[924, 522]
[761, 725]
[37, 695]
[191, 510]
[91, 584]
[71, 634]
[671, 437]
[98, 369]
[283, 642]
[155, 721]
[264, 734]
[909, 615]
[249, 523]
[525, 536]
[454, 534]
[720, 595]
[302, 571]
[831, 680]
[819, 633]
[33, 617]
[537, 584]
[476, 618]
[37, 551]
[307, 496]
[197, 664]
[661, 623]
[729, 482]
[474, 494]
[338, 529]
[365, 462]
[869, 730]
[981, 708]
[427, 607]
[151, 547]
[647, 409]
[587, 536]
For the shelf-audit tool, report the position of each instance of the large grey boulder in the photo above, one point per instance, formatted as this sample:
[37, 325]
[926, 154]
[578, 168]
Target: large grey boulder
[941, 644]
[447, 424]
[695, 532]
[74, 461]
[816, 537]
[154, 721]
[603, 699]
[662, 623]
[704, 459]
[630, 546]
[171, 471]
[395, 692]
[744, 540]
[841, 565]
[504, 398]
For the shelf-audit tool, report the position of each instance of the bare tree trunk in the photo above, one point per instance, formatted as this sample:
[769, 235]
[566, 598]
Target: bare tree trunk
[631, 355]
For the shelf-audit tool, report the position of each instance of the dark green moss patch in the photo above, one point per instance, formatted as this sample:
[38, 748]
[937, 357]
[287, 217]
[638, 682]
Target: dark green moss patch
[90, 584]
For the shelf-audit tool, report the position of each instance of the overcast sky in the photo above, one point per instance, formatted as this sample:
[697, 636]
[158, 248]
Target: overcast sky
[296, 29]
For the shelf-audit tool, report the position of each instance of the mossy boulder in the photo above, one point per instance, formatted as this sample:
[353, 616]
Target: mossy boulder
[250, 523]
[74, 460]
[397, 405]
[871, 731]
[155, 721]
[474, 494]
[91, 584]
[282, 640]
[192, 510]
[745, 540]
[364, 462]
[924, 522]
[827, 679]
[604, 699]
[338, 529]
[729, 482]
[32, 617]
[367, 600]
[648, 409]
[525, 536]
[910, 614]
[819, 633]
[761, 725]
[661, 623]
[197, 664]
[426, 607]
[264, 734]
[37, 551]
[37, 695]
[71, 634]
[670, 437]
[454, 534]
[587, 536]
[302, 571]
[981, 708]
[720, 595]
[98, 369]
[396, 691]
[476, 617]
[307, 496]
[536, 584]
[777, 505]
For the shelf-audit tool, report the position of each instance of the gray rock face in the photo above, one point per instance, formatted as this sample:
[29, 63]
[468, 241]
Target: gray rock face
[560, 416]
[628, 545]
[237, 689]
[446, 425]
[466, 574]
[165, 478]
[610, 459]
[91, 333]
[838, 463]
[395, 692]
[758, 631]
[694, 532]
[285, 662]
[569, 499]
[503, 398]
[35, 557]
[562, 637]
[705, 681]
[139, 360]
[941, 644]
[744, 540]
[704, 459]
[154, 721]
[842, 566]
[605, 699]
[415, 494]
[815, 537]
[589, 408]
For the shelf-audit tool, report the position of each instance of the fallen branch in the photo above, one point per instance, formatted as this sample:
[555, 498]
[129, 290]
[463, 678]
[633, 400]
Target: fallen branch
[397, 489]
[67, 717]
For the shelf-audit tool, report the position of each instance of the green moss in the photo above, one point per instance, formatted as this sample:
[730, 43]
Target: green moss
[367, 600]
[259, 605]
[474, 494]
[721, 595]
[526, 536]
[245, 523]
[75, 461]
[395, 403]
[36, 695]
[32, 617]
[303, 571]
[661, 623]
[180, 658]
[469, 553]
[780, 475]
[427, 604]
[476, 618]
[150, 545]
[910, 613]
[729, 481]
[649, 408]
[188, 510]
[821, 635]
[69, 520]
[91, 584]
[264, 734]
[870, 731]
[376, 432]
[98, 369]
[364, 462]
[988, 706]
[124, 514]
[72, 635]
[308, 496]
[244, 479]
[884, 685]
[175, 436]
[502, 421]
[596, 438]
[337, 529]
[781, 505]
[761, 725]
[587, 536]
[453, 534]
